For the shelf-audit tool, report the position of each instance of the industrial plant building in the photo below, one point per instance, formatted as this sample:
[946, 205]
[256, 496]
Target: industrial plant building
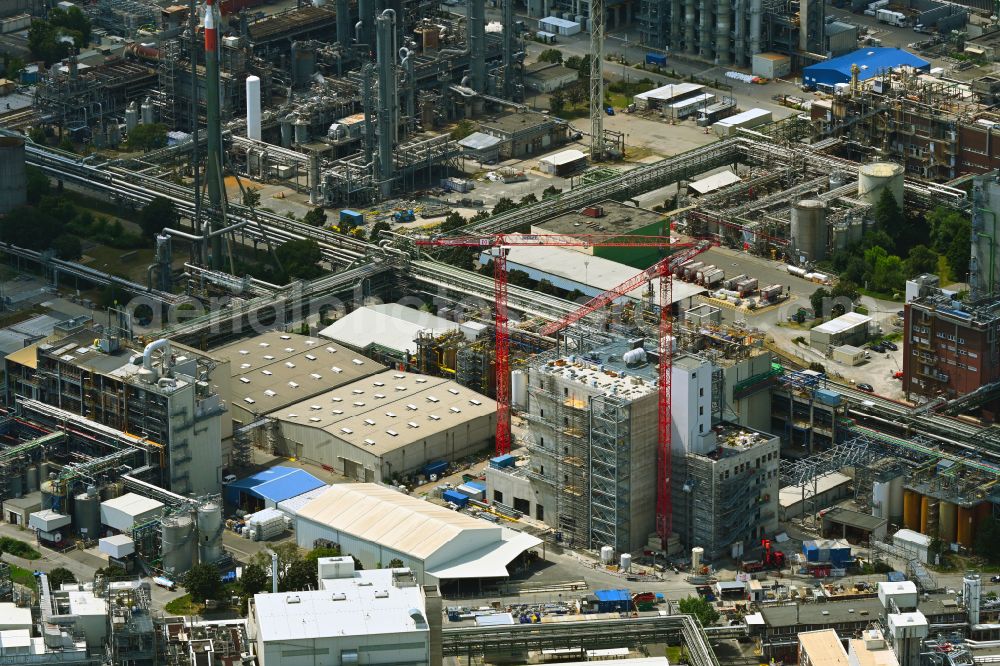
[168, 396]
[386, 426]
[863, 64]
[378, 524]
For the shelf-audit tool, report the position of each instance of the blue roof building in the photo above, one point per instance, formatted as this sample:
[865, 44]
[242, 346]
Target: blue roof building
[871, 61]
[270, 486]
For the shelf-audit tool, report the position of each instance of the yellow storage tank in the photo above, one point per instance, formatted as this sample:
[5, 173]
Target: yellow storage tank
[911, 510]
[924, 506]
[947, 522]
[965, 518]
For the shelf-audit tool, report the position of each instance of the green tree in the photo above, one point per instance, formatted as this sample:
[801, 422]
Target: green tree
[503, 205]
[202, 582]
[251, 197]
[321, 552]
[67, 247]
[147, 137]
[528, 199]
[887, 270]
[986, 540]
[921, 259]
[316, 217]
[396, 563]
[300, 259]
[816, 300]
[951, 234]
[60, 575]
[254, 579]
[12, 65]
[463, 129]
[377, 229]
[888, 216]
[557, 103]
[37, 135]
[846, 289]
[72, 22]
[699, 608]
[29, 228]
[158, 214]
[38, 184]
[551, 55]
[576, 94]
[300, 575]
[551, 191]
[44, 43]
[453, 221]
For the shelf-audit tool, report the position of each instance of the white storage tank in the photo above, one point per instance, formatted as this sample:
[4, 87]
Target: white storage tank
[177, 543]
[809, 230]
[607, 554]
[873, 178]
[626, 562]
[972, 589]
[697, 557]
[210, 532]
[519, 388]
[880, 499]
[896, 501]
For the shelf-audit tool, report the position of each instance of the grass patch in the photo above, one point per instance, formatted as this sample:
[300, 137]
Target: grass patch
[18, 548]
[110, 259]
[184, 606]
[23, 577]
[674, 653]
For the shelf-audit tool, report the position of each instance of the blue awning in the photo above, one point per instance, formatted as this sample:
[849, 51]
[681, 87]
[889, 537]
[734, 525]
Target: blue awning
[275, 484]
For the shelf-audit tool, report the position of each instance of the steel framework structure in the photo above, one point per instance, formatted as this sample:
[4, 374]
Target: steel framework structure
[597, 16]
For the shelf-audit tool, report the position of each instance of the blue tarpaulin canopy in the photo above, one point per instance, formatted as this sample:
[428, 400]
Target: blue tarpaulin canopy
[273, 485]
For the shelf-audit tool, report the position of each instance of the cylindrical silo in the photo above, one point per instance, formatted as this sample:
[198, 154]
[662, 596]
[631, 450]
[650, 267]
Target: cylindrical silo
[13, 183]
[972, 590]
[880, 499]
[925, 504]
[896, 501]
[210, 532]
[253, 107]
[873, 178]
[911, 510]
[286, 133]
[131, 116]
[50, 495]
[16, 486]
[31, 478]
[148, 112]
[519, 388]
[964, 529]
[301, 132]
[87, 514]
[809, 234]
[697, 557]
[177, 544]
[947, 522]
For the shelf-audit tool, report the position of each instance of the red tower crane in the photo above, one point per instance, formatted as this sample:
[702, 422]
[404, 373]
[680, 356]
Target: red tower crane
[662, 270]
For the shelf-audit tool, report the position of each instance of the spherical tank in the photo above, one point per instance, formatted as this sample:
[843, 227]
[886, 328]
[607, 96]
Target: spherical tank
[873, 178]
[896, 501]
[964, 530]
[924, 512]
[911, 510]
[809, 229]
[13, 181]
[210, 532]
[87, 515]
[31, 478]
[880, 499]
[947, 525]
[177, 545]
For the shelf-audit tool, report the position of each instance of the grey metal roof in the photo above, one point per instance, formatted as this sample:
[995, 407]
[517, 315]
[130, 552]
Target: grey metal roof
[480, 141]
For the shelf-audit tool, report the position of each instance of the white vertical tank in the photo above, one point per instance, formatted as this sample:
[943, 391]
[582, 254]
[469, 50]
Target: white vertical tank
[210, 532]
[972, 589]
[626, 562]
[177, 545]
[809, 228]
[896, 501]
[607, 554]
[880, 499]
[253, 107]
[519, 388]
[697, 557]
[148, 112]
[873, 178]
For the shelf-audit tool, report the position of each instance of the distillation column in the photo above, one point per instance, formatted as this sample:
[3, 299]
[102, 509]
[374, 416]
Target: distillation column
[364, 28]
[213, 157]
[388, 103]
[597, 16]
[689, 16]
[343, 23]
[676, 34]
[723, 9]
[740, 32]
[755, 12]
[707, 9]
[509, 56]
[477, 44]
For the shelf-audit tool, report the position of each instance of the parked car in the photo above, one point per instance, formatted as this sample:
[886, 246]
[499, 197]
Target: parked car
[891, 345]
[867, 388]
[995, 579]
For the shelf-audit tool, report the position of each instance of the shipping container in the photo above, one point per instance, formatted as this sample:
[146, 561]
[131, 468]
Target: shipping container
[771, 65]
[733, 281]
[500, 462]
[713, 278]
[699, 275]
[455, 497]
[351, 218]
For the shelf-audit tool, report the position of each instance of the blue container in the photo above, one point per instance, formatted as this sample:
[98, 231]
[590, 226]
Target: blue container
[438, 467]
[659, 59]
[478, 485]
[827, 397]
[500, 462]
[352, 218]
[455, 498]
[610, 601]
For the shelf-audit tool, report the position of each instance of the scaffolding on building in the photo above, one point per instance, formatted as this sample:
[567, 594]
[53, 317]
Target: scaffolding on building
[610, 467]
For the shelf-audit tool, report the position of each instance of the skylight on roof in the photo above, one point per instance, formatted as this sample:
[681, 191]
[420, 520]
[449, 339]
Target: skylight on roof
[245, 380]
